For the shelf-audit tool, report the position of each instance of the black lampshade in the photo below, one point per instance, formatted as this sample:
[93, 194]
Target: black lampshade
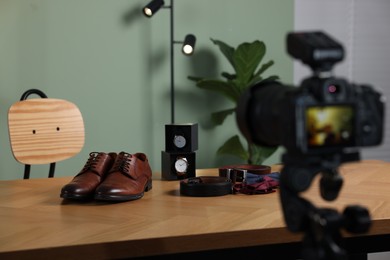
[150, 9]
[189, 44]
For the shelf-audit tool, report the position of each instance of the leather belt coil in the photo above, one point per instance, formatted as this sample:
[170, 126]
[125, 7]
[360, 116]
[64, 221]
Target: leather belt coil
[237, 172]
[206, 186]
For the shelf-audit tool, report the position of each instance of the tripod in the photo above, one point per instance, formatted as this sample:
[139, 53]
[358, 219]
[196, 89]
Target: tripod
[321, 226]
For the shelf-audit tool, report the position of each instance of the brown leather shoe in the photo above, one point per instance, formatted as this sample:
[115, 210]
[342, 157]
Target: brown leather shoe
[128, 178]
[84, 184]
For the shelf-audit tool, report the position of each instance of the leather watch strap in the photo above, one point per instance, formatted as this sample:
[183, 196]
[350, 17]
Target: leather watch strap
[206, 186]
[237, 172]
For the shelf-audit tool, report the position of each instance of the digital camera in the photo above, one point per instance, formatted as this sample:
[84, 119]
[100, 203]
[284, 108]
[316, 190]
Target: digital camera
[324, 115]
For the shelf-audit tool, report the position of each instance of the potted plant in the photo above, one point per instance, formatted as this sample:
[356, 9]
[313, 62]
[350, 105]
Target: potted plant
[245, 60]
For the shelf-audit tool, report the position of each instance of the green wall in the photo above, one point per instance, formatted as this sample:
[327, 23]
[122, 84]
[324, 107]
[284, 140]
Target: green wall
[113, 62]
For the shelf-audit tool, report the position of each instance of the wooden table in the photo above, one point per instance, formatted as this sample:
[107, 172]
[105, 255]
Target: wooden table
[36, 223]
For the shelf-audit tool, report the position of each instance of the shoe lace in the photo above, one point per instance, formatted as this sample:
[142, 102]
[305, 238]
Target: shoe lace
[91, 162]
[122, 164]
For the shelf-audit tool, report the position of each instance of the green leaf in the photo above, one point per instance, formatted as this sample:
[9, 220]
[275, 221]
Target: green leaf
[264, 67]
[193, 78]
[221, 87]
[260, 153]
[234, 147]
[255, 80]
[220, 116]
[247, 58]
[260, 79]
[272, 78]
[226, 50]
[228, 76]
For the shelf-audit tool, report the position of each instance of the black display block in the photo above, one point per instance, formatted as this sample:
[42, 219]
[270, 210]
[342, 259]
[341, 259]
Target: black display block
[187, 130]
[168, 160]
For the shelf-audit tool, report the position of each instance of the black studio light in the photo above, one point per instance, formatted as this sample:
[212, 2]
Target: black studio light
[188, 45]
[150, 9]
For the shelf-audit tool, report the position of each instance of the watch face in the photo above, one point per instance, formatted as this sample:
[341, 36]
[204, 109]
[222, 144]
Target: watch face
[178, 165]
[179, 141]
[181, 165]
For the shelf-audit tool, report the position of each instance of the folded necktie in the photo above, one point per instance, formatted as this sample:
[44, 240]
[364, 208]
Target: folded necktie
[258, 184]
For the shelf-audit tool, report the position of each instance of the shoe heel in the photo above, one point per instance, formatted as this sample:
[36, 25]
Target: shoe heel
[148, 186]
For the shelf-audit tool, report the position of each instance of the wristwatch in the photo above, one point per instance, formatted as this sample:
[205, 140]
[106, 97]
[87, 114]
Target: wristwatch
[181, 165]
[178, 165]
[181, 138]
[179, 141]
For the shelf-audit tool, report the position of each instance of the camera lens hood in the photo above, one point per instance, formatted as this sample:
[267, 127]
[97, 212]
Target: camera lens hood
[259, 111]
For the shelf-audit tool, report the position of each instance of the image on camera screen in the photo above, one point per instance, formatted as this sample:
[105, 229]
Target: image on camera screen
[330, 126]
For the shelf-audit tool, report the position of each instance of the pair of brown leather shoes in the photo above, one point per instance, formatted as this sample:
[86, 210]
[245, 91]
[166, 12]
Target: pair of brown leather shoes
[111, 177]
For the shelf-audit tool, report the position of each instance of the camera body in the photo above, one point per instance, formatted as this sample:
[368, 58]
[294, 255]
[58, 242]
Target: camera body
[325, 115]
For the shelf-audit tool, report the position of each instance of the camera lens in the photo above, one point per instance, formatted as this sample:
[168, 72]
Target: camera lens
[260, 111]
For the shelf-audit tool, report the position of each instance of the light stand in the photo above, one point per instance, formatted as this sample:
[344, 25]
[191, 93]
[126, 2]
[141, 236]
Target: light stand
[188, 44]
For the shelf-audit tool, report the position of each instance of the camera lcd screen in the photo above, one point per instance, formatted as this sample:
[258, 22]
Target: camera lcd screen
[330, 126]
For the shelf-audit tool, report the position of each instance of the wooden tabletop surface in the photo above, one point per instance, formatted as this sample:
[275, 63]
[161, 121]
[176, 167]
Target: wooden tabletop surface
[35, 221]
